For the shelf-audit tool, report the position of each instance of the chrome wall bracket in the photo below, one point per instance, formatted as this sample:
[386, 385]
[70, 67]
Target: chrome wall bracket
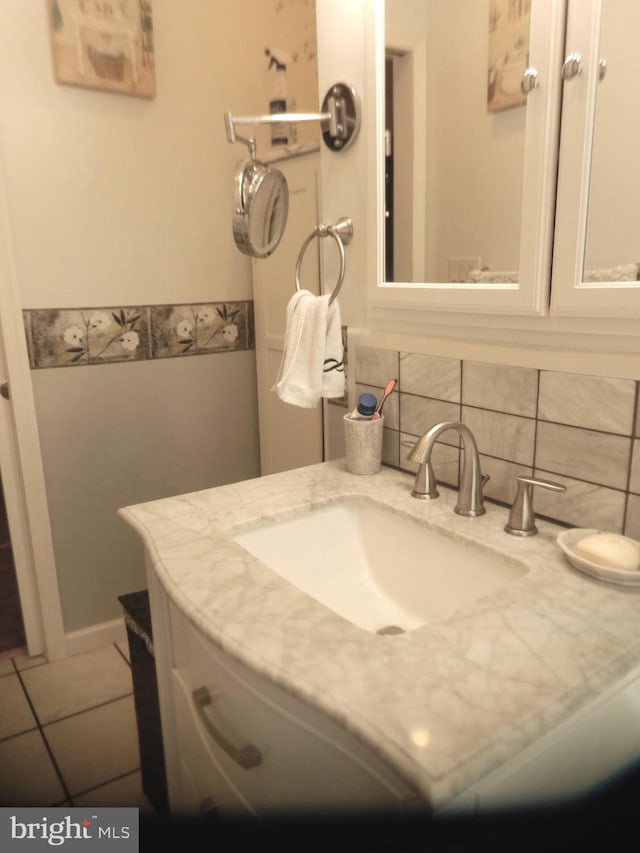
[342, 105]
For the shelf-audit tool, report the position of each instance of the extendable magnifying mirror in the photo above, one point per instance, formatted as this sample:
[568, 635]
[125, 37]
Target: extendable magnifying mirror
[261, 193]
[261, 208]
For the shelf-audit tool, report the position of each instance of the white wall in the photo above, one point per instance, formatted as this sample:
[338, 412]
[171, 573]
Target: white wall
[347, 189]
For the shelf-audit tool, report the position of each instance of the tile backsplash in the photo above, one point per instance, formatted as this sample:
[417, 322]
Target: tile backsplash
[64, 337]
[581, 431]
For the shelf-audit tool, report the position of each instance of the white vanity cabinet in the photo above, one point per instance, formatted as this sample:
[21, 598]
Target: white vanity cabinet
[236, 744]
[527, 695]
[593, 748]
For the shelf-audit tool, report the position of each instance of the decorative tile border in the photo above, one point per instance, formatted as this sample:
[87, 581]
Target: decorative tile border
[65, 337]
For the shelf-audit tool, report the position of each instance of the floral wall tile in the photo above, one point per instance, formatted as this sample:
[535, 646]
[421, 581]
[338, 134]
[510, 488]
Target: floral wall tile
[73, 336]
[65, 337]
[196, 329]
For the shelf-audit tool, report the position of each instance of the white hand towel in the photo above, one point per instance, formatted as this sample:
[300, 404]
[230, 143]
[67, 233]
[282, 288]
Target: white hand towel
[299, 379]
[310, 327]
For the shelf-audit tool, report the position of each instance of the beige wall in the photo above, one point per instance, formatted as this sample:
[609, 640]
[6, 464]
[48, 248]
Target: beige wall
[114, 201]
[125, 199]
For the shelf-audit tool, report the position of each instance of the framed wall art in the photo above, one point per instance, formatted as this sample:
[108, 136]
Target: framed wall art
[509, 22]
[103, 44]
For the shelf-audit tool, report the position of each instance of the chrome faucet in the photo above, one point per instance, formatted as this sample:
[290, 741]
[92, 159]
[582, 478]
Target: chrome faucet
[470, 500]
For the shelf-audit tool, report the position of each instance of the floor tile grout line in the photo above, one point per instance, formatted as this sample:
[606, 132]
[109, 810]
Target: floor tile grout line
[57, 770]
[93, 788]
[41, 729]
[42, 725]
[28, 698]
[38, 723]
[87, 710]
[67, 797]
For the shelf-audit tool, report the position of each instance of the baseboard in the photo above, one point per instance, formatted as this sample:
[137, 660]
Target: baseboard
[95, 636]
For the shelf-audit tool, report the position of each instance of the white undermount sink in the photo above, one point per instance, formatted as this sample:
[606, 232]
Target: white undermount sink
[378, 568]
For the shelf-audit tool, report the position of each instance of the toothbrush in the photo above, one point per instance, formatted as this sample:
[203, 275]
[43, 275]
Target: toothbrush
[391, 384]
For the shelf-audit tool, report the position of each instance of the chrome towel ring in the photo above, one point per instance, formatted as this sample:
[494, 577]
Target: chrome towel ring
[342, 232]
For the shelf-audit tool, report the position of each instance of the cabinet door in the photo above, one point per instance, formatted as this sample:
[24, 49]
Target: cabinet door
[596, 268]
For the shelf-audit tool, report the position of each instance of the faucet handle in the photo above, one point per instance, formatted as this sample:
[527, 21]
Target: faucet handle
[522, 517]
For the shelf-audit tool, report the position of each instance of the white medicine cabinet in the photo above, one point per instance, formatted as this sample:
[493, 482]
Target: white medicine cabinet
[508, 164]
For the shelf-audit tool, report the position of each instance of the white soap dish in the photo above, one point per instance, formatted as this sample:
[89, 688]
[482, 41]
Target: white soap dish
[567, 540]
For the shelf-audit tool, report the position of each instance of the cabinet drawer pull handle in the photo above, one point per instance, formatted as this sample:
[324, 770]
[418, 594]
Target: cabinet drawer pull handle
[246, 755]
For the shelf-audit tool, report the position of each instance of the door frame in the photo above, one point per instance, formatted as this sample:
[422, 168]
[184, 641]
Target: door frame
[21, 465]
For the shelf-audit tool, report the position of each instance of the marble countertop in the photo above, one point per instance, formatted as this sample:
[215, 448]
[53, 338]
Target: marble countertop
[446, 703]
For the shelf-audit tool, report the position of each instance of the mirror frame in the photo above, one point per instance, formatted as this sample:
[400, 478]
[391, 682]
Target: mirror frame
[530, 296]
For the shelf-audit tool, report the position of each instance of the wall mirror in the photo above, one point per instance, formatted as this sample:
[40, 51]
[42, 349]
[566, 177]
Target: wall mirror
[474, 178]
[456, 170]
[463, 154]
[597, 249]
[612, 247]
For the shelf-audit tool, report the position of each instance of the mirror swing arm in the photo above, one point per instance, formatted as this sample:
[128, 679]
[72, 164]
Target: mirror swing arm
[340, 120]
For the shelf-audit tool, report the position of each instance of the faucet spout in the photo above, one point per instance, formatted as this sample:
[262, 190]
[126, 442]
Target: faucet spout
[470, 498]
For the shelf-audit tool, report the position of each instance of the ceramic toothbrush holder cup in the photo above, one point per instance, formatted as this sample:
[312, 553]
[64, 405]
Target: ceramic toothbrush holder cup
[363, 444]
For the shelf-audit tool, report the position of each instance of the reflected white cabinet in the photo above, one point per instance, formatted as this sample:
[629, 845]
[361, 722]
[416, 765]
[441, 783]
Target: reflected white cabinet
[238, 745]
[596, 264]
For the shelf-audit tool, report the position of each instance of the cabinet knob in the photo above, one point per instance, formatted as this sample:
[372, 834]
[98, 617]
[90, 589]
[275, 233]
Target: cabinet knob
[602, 68]
[529, 81]
[572, 66]
[522, 520]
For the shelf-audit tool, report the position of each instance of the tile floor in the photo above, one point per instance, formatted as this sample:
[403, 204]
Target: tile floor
[68, 731]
